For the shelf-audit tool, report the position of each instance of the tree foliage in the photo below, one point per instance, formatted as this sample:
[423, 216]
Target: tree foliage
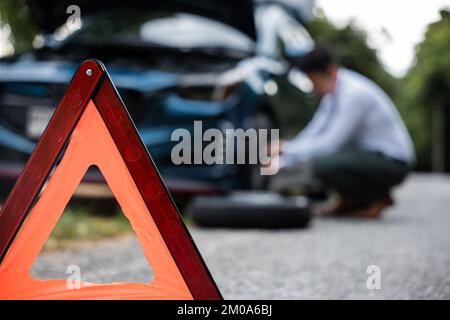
[15, 13]
[427, 86]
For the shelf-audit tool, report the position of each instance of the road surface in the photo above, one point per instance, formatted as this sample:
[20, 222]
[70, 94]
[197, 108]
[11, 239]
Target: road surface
[410, 247]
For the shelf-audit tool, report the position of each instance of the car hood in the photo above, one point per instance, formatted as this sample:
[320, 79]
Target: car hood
[50, 14]
[53, 72]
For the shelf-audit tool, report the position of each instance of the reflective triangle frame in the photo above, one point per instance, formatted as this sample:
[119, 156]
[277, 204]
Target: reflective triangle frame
[91, 82]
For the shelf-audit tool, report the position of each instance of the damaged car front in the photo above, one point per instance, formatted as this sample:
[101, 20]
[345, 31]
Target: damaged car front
[173, 62]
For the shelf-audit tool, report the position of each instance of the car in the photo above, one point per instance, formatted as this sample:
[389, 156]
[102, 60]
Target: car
[173, 62]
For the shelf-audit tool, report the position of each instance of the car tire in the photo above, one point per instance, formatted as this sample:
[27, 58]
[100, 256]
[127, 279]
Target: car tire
[251, 174]
[262, 210]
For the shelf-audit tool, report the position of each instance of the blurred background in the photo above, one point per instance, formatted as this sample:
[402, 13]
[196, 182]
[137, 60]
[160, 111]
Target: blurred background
[178, 61]
[402, 46]
[168, 77]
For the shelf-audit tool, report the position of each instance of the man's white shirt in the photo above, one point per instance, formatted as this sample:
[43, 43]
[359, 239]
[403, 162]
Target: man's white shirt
[357, 115]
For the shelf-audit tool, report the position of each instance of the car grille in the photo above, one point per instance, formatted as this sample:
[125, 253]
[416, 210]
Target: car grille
[16, 99]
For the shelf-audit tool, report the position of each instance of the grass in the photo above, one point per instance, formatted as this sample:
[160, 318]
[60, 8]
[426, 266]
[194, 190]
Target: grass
[78, 224]
[84, 221]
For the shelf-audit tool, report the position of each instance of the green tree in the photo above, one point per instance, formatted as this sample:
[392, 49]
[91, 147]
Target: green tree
[427, 91]
[15, 13]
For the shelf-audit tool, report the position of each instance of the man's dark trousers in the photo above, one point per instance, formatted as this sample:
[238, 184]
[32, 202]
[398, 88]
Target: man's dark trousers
[360, 177]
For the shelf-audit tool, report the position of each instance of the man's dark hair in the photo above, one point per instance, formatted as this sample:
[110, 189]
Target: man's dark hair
[317, 60]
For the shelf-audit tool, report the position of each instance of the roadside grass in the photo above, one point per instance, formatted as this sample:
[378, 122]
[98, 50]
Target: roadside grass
[78, 224]
[84, 222]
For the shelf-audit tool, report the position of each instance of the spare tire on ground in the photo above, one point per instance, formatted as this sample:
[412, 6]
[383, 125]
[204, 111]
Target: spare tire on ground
[251, 209]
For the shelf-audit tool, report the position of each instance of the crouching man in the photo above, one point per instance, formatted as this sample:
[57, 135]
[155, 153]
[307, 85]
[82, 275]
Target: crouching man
[356, 143]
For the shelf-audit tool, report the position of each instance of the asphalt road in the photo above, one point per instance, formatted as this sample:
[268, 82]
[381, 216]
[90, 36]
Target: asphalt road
[410, 246]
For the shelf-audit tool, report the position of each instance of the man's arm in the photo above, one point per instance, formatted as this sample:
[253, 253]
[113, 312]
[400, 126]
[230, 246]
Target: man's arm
[317, 122]
[341, 127]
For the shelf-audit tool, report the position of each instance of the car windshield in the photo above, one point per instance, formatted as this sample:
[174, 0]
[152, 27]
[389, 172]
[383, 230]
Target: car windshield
[173, 30]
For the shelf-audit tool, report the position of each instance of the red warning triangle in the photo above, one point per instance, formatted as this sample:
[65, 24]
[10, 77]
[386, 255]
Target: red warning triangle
[93, 125]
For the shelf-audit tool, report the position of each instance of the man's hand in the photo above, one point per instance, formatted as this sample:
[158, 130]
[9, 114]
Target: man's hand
[274, 152]
[276, 147]
[273, 167]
